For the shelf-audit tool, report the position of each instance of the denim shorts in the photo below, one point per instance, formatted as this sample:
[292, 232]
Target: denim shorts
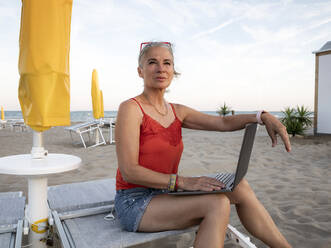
[130, 205]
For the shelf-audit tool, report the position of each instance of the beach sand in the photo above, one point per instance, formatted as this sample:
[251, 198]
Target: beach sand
[294, 187]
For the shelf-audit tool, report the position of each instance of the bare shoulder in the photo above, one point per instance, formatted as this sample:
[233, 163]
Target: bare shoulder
[129, 110]
[195, 119]
[129, 105]
[182, 111]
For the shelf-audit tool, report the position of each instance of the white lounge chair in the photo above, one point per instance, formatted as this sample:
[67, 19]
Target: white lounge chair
[83, 217]
[2, 124]
[14, 124]
[109, 122]
[19, 126]
[91, 127]
[12, 206]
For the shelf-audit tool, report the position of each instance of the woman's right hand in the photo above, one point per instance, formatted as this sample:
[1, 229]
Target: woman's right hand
[199, 183]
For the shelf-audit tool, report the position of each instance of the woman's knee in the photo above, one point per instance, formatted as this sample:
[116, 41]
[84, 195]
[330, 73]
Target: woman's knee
[244, 185]
[245, 188]
[218, 203]
[242, 191]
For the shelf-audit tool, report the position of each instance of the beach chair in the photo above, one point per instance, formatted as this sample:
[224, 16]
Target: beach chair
[88, 128]
[16, 125]
[2, 124]
[109, 122]
[83, 216]
[12, 206]
[19, 126]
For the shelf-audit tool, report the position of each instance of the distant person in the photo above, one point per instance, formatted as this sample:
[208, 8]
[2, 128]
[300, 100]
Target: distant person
[149, 147]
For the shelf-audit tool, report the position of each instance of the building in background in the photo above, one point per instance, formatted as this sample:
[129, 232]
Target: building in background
[322, 109]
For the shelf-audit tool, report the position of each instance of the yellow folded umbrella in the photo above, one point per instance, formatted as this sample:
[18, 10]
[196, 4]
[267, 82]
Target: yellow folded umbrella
[2, 114]
[96, 95]
[44, 87]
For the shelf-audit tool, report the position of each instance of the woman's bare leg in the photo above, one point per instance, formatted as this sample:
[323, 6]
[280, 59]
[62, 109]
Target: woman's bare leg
[255, 217]
[212, 212]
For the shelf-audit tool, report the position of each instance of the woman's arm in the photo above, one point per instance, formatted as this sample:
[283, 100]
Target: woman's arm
[196, 120]
[127, 131]
[128, 123]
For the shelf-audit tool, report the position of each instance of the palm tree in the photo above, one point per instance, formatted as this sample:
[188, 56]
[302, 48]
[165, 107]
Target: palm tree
[303, 114]
[296, 120]
[224, 110]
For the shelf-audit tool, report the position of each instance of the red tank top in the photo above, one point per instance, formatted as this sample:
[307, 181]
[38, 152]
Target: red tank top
[160, 148]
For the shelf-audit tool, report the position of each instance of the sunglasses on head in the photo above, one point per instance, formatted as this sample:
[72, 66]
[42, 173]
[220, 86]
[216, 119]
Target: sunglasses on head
[142, 45]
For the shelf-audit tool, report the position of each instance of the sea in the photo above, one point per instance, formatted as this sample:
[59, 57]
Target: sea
[82, 116]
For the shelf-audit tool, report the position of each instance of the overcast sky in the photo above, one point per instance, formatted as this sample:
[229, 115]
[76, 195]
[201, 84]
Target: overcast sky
[250, 54]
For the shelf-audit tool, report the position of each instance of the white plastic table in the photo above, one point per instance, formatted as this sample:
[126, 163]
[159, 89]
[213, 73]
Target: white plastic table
[24, 165]
[36, 170]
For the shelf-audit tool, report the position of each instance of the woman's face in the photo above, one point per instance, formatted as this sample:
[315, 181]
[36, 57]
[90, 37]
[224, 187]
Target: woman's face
[157, 68]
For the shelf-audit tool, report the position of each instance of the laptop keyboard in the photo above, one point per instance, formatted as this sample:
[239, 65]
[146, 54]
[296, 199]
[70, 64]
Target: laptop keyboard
[225, 178]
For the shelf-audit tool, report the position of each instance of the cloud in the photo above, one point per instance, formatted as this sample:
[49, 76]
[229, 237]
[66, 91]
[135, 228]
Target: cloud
[213, 30]
[223, 48]
[320, 37]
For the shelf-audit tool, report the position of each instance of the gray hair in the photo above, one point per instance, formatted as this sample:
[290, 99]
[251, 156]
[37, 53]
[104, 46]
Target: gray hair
[148, 45]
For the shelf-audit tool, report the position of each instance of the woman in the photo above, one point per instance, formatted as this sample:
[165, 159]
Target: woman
[149, 146]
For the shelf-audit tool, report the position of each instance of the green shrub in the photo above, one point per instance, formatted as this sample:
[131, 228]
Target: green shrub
[296, 120]
[224, 110]
[303, 115]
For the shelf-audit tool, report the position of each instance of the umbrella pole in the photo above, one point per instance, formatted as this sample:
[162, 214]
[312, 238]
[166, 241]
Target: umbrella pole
[97, 137]
[37, 198]
[37, 211]
[38, 151]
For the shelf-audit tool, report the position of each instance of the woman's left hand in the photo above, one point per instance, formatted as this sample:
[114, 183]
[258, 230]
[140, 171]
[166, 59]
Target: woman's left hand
[274, 127]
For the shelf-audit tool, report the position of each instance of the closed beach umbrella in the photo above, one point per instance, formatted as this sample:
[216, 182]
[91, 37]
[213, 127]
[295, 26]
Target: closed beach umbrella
[96, 95]
[44, 86]
[2, 114]
[44, 95]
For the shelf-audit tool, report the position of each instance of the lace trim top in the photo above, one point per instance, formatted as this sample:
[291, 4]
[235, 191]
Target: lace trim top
[150, 127]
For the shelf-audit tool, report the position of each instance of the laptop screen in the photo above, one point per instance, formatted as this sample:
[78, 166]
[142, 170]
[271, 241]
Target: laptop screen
[245, 152]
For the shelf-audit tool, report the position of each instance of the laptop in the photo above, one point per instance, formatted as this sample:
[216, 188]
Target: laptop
[231, 180]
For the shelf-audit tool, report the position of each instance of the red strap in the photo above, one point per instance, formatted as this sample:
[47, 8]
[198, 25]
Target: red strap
[138, 105]
[173, 110]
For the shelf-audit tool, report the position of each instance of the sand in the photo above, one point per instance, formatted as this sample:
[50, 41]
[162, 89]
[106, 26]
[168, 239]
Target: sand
[294, 187]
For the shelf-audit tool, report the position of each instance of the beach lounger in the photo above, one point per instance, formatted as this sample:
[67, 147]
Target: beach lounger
[12, 206]
[15, 125]
[82, 215]
[2, 124]
[91, 127]
[19, 126]
[109, 122]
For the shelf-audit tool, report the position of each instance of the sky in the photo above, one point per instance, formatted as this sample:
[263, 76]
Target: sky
[249, 54]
